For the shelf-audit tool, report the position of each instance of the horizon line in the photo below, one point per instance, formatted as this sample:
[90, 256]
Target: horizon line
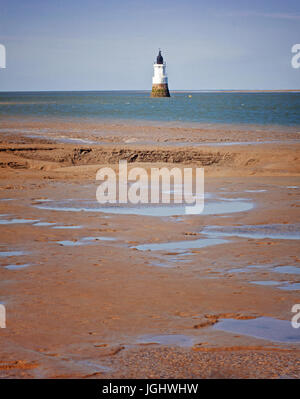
[149, 90]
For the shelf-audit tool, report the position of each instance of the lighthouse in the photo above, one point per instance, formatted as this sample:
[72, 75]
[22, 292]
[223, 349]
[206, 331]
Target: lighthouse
[160, 79]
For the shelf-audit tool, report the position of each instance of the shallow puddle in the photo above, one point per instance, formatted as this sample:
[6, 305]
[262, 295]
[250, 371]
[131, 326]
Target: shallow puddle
[266, 282]
[67, 243]
[16, 221]
[160, 264]
[282, 285]
[180, 245]
[210, 208]
[17, 267]
[96, 367]
[291, 287]
[12, 253]
[287, 269]
[98, 239]
[44, 224]
[67, 227]
[170, 339]
[272, 231]
[247, 269]
[169, 262]
[266, 328]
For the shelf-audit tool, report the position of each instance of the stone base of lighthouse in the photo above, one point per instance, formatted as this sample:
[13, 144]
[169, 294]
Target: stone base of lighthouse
[160, 90]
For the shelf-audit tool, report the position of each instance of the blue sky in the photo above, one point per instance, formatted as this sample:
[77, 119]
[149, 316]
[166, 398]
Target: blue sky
[111, 44]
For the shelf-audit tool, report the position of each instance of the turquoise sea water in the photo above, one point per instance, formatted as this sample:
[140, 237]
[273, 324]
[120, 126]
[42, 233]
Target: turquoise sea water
[202, 107]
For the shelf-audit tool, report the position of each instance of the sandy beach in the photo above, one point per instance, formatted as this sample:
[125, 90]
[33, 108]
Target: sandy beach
[87, 297]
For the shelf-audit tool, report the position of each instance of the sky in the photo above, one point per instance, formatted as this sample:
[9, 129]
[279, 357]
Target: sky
[112, 44]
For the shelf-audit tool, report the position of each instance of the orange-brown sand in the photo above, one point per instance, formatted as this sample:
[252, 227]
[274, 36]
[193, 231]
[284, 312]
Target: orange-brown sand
[82, 311]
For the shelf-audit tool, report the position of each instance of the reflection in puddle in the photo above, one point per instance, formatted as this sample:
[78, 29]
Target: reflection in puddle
[273, 231]
[210, 208]
[171, 339]
[287, 269]
[262, 327]
[17, 267]
[180, 245]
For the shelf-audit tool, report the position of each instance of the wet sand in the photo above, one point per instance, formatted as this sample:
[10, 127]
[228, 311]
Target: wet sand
[103, 307]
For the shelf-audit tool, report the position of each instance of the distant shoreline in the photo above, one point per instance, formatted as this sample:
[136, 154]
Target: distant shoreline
[149, 90]
[236, 91]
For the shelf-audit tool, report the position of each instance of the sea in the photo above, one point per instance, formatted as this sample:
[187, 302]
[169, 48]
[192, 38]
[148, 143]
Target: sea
[189, 107]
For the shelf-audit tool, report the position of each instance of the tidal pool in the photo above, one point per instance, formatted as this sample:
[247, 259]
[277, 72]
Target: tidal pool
[17, 221]
[215, 207]
[170, 262]
[44, 224]
[17, 267]
[272, 231]
[246, 269]
[266, 282]
[180, 245]
[98, 238]
[67, 227]
[287, 269]
[266, 328]
[68, 243]
[6, 254]
[290, 287]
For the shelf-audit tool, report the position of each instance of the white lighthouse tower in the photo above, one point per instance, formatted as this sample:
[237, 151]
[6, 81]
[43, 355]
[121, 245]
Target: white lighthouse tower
[160, 79]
